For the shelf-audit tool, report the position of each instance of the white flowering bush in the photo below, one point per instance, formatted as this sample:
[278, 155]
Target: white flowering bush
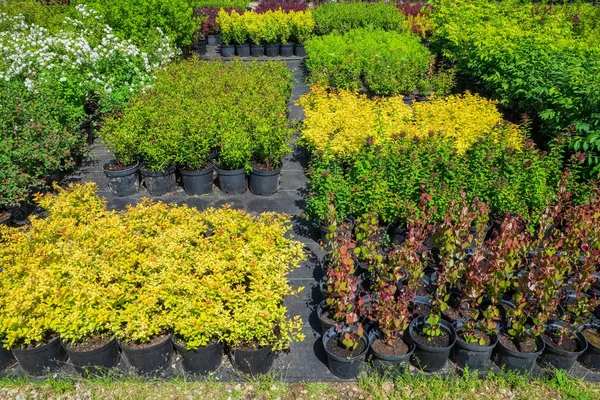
[46, 79]
[85, 58]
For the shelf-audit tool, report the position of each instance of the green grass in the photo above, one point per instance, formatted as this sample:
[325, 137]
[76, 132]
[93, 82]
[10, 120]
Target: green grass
[271, 387]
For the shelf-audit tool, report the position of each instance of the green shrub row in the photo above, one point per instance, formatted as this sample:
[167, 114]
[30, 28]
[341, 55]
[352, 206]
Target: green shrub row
[385, 63]
[343, 17]
[197, 107]
[388, 182]
[541, 59]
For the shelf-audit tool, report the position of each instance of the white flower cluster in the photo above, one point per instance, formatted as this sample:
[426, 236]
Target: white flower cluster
[86, 51]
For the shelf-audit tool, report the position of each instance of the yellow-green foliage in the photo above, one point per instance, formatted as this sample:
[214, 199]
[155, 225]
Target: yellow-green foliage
[84, 271]
[338, 123]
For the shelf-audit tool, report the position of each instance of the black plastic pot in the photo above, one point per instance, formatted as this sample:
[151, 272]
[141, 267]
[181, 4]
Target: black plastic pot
[242, 50]
[299, 50]
[122, 183]
[257, 50]
[253, 362]
[148, 360]
[264, 183]
[6, 358]
[272, 50]
[408, 100]
[517, 361]
[202, 46]
[561, 359]
[213, 40]
[198, 182]
[430, 358]
[39, 360]
[320, 310]
[232, 181]
[591, 357]
[286, 50]
[393, 365]
[344, 367]
[95, 361]
[227, 50]
[476, 358]
[159, 183]
[201, 361]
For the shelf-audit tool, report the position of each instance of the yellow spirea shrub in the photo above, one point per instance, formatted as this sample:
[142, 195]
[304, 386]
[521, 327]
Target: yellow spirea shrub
[155, 268]
[339, 122]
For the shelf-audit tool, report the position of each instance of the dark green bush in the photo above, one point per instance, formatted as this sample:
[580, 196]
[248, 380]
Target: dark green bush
[343, 17]
[536, 58]
[39, 135]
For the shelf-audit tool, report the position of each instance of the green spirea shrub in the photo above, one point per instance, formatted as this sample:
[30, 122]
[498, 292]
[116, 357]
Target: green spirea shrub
[343, 17]
[385, 63]
[234, 109]
[537, 58]
[138, 20]
[387, 182]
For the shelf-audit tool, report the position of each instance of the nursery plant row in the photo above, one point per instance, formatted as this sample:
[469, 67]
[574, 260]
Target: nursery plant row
[231, 115]
[466, 289]
[84, 282]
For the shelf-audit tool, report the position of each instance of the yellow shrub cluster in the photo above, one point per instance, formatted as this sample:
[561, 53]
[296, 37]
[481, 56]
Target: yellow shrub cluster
[85, 271]
[338, 123]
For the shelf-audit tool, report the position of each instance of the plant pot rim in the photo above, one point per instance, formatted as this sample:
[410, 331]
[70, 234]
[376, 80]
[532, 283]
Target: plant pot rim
[519, 354]
[271, 172]
[101, 349]
[190, 172]
[445, 325]
[331, 334]
[261, 349]
[127, 171]
[181, 348]
[229, 171]
[475, 348]
[150, 173]
[136, 349]
[387, 357]
[39, 349]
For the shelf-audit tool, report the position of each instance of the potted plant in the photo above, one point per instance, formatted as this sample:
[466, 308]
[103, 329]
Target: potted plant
[27, 318]
[476, 335]
[240, 34]
[193, 157]
[390, 351]
[225, 23]
[270, 33]
[346, 347]
[158, 150]
[271, 144]
[199, 325]
[85, 327]
[145, 336]
[303, 26]
[260, 328]
[284, 33]
[122, 172]
[255, 27]
[235, 153]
